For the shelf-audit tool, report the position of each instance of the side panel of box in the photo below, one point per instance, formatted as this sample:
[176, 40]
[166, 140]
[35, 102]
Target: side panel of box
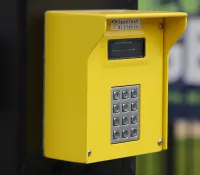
[173, 29]
[65, 93]
[69, 42]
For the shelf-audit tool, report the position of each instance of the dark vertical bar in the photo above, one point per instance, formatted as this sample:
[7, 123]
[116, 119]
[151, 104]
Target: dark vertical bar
[124, 166]
[163, 169]
[13, 85]
[171, 151]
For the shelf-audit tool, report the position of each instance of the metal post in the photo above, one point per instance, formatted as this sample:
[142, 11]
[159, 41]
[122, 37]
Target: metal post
[124, 166]
[13, 85]
[171, 151]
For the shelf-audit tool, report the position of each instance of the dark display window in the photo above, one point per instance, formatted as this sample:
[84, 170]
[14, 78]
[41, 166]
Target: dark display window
[126, 48]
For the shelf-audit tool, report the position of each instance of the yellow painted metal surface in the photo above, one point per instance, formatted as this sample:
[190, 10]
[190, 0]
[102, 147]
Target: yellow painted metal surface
[79, 77]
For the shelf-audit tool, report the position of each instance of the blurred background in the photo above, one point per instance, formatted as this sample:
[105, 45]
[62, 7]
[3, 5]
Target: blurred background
[183, 154]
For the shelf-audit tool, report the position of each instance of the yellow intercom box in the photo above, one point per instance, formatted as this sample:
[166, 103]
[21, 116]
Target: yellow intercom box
[106, 82]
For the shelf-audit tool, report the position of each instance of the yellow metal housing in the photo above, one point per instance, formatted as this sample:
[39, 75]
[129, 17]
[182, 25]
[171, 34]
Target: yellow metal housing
[79, 76]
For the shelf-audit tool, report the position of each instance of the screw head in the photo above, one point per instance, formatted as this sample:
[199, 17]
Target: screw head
[159, 142]
[161, 26]
[89, 153]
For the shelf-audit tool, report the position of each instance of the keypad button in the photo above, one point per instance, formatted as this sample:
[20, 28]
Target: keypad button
[116, 95]
[134, 93]
[134, 119]
[125, 94]
[134, 132]
[125, 133]
[116, 108]
[124, 107]
[116, 134]
[134, 106]
[125, 120]
[116, 121]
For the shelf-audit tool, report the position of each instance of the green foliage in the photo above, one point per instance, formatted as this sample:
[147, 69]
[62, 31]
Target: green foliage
[190, 6]
[187, 157]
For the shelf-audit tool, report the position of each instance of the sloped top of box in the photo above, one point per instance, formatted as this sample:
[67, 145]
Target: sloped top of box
[110, 14]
